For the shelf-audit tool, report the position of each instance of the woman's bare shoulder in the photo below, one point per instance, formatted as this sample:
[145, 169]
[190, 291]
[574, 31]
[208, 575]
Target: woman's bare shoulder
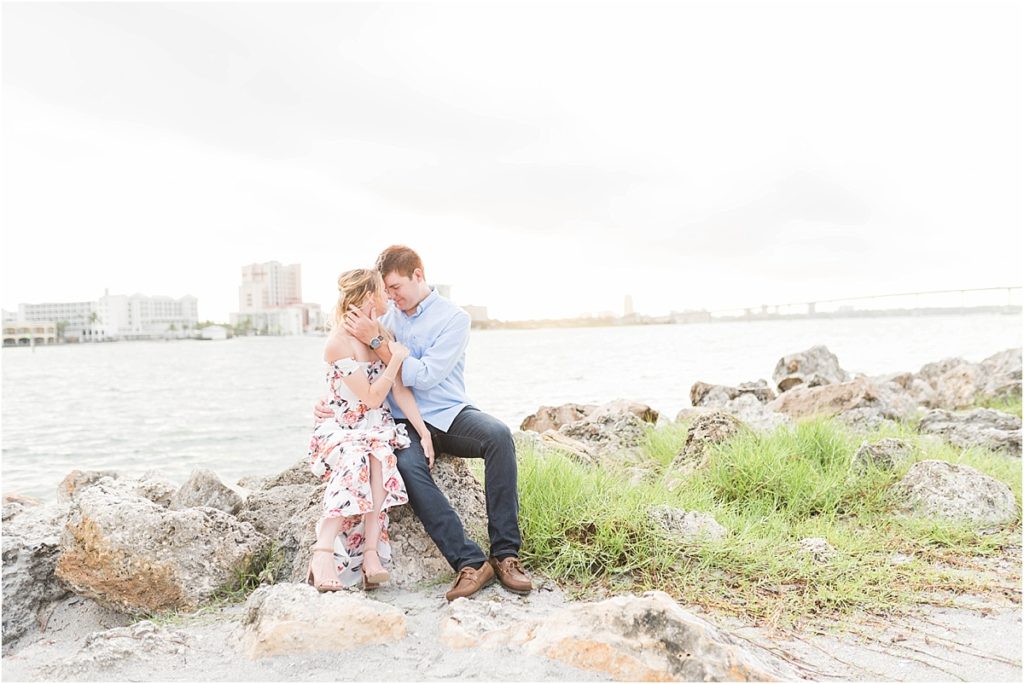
[339, 346]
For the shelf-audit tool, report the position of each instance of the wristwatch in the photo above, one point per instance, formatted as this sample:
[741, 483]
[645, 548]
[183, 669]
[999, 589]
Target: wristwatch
[376, 341]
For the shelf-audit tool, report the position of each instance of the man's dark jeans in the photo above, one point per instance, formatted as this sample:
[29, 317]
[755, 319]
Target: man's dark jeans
[473, 434]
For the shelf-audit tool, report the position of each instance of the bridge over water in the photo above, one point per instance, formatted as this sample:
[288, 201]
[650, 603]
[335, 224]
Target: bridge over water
[926, 302]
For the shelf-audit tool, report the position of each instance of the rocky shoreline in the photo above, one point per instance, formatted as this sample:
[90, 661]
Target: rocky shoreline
[118, 555]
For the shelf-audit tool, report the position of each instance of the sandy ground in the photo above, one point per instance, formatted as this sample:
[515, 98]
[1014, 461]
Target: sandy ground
[978, 639]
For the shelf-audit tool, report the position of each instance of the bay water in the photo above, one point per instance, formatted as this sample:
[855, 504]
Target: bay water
[244, 406]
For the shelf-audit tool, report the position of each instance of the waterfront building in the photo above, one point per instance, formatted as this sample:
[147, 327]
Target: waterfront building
[270, 285]
[75, 321]
[477, 314]
[270, 302]
[27, 334]
[141, 317]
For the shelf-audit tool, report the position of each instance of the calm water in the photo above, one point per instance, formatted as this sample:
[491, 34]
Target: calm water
[244, 406]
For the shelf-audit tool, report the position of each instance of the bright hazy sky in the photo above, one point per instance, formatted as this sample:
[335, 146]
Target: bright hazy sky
[545, 159]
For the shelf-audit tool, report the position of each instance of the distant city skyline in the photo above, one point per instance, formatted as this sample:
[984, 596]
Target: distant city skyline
[689, 156]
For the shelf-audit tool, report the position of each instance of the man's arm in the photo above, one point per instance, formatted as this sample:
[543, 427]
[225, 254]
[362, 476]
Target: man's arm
[364, 328]
[441, 357]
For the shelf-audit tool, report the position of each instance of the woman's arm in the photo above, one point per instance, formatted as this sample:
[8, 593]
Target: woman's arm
[372, 395]
[407, 402]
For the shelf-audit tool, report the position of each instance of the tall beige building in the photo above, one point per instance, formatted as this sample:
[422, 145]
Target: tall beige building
[269, 286]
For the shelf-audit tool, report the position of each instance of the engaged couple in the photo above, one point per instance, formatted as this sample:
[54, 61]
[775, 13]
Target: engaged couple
[396, 397]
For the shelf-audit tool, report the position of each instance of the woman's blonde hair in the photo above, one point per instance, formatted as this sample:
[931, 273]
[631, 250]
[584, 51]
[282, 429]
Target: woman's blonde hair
[353, 288]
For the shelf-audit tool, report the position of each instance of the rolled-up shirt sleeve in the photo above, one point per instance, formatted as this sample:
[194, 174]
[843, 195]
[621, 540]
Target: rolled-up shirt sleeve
[438, 360]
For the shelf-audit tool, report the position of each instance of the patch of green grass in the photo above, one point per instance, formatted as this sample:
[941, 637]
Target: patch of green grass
[1010, 405]
[588, 527]
[266, 567]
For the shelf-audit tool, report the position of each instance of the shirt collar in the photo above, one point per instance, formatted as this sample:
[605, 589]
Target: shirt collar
[425, 304]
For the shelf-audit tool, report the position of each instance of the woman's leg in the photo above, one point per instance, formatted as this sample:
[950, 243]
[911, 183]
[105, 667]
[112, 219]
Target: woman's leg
[371, 520]
[324, 568]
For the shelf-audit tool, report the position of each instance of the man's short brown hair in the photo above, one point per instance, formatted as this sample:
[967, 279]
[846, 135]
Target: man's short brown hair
[400, 259]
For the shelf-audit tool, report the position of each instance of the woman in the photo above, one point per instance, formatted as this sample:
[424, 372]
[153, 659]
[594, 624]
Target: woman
[355, 450]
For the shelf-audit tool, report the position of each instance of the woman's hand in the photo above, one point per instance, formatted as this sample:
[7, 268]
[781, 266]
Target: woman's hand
[428, 449]
[398, 350]
[322, 411]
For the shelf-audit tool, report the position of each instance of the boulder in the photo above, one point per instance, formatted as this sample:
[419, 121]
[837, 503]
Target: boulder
[627, 638]
[415, 557]
[554, 417]
[886, 454]
[755, 415]
[955, 383]
[157, 489]
[31, 542]
[270, 512]
[78, 480]
[984, 428]
[204, 488]
[288, 619]
[704, 394]
[622, 407]
[811, 368]
[609, 433]
[706, 431]
[685, 526]
[836, 398]
[959, 493]
[866, 419]
[135, 556]
[1003, 375]
[109, 650]
[573, 448]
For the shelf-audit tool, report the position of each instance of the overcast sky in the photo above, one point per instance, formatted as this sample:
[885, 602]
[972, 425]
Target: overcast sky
[544, 159]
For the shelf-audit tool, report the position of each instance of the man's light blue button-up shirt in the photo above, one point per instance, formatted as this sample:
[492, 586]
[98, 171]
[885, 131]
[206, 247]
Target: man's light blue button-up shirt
[437, 334]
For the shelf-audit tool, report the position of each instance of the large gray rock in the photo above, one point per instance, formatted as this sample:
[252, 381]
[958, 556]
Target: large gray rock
[685, 526]
[1003, 375]
[609, 434]
[955, 383]
[837, 398]
[885, 454]
[984, 428]
[121, 648]
[204, 488]
[414, 555]
[811, 368]
[627, 638]
[133, 555]
[554, 417]
[288, 619]
[271, 512]
[947, 491]
[31, 543]
[706, 431]
[78, 480]
[705, 394]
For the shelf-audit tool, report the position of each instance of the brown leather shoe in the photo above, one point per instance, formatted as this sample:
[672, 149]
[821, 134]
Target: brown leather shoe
[470, 581]
[512, 575]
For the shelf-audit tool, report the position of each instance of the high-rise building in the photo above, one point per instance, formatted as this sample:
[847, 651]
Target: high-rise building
[270, 301]
[270, 285]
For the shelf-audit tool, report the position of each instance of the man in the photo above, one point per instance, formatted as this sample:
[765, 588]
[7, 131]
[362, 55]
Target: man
[436, 331]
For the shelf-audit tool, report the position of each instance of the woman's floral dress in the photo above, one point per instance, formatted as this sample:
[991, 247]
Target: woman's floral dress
[340, 453]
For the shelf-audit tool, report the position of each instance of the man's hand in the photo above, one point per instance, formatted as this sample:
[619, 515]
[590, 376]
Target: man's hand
[428, 450]
[322, 411]
[360, 326]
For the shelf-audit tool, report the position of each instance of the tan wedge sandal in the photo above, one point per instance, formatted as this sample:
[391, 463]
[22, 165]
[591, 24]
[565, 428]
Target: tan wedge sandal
[325, 585]
[378, 578]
